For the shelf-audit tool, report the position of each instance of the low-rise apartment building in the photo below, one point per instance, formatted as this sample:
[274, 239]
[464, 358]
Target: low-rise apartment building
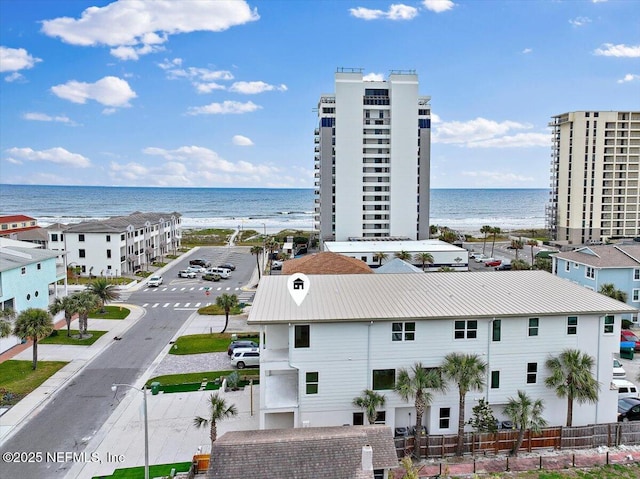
[354, 332]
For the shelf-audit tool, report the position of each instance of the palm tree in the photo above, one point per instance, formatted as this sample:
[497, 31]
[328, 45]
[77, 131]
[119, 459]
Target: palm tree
[370, 401]
[104, 290]
[433, 230]
[381, 257]
[85, 302]
[609, 289]
[448, 235]
[525, 414]
[415, 384]
[226, 302]
[517, 245]
[403, 255]
[6, 325]
[218, 410]
[533, 243]
[494, 231]
[66, 304]
[257, 250]
[485, 230]
[423, 258]
[572, 378]
[468, 372]
[33, 324]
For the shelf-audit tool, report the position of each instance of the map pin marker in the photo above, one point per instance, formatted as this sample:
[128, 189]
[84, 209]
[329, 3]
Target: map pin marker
[298, 285]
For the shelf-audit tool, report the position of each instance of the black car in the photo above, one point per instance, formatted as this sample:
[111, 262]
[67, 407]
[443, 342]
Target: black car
[227, 266]
[504, 267]
[628, 409]
[241, 343]
[199, 262]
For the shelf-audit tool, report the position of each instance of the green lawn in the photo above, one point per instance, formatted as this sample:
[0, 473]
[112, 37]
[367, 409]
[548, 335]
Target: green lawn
[215, 310]
[18, 379]
[186, 378]
[111, 312]
[60, 337]
[161, 470]
[206, 343]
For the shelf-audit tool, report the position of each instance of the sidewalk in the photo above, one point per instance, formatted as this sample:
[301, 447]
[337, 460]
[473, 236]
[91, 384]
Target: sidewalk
[78, 357]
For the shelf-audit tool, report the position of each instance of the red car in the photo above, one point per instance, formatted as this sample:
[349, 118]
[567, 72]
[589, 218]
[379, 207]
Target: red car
[493, 262]
[630, 336]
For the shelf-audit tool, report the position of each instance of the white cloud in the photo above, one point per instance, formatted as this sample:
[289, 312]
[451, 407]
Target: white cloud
[208, 87]
[438, 6]
[629, 77]
[611, 50]
[35, 116]
[224, 108]
[373, 77]
[240, 140]
[527, 50]
[254, 87]
[579, 21]
[13, 77]
[483, 133]
[15, 59]
[395, 12]
[109, 91]
[56, 155]
[134, 28]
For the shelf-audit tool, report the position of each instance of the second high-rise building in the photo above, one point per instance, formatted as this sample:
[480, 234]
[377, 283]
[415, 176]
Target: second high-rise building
[372, 156]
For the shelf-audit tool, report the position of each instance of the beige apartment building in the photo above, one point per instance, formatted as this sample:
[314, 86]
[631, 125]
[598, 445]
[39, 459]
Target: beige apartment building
[595, 163]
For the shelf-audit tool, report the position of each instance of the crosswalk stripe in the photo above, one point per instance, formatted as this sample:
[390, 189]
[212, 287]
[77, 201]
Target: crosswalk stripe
[197, 305]
[176, 305]
[155, 305]
[165, 305]
[145, 305]
[187, 305]
[228, 289]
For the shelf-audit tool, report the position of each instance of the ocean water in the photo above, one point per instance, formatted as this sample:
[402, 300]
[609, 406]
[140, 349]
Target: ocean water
[270, 209]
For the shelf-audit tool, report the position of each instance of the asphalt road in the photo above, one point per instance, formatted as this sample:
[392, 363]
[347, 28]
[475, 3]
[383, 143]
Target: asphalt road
[76, 413]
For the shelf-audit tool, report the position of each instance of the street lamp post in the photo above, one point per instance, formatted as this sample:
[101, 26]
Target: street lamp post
[264, 243]
[146, 425]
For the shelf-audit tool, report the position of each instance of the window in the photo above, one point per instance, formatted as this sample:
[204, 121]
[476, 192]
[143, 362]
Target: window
[495, 379]
[108, 253]
[384, 379]
[496, 330]
[445, 417]
[312, 382]
[466, 329]
[81, 253]
[381, 417]
[80, 237]
[23, 270]
[532, 373]
[122, 237]
[590, 272]
[39, 266]
[608, 324]
[567, 266]
[534, 324]
[572, 325]
[301, 336]
[636, 274]
[54, 236]
[635, 295]
[358, 419]
[108, 238]
[403, 331]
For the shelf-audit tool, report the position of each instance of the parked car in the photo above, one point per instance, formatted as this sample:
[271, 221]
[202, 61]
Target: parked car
[227, 266]
[185, 273]
[224, 273]
[211, 277]
[630, 336]
[628, 409]
[504, 267]
[196, 269]
[243, 357]
[480, 258]
[199, 262]
[626, 389]
[276, 264]
[618, 370]
[494, 262]
[241, 343]
[154, 281]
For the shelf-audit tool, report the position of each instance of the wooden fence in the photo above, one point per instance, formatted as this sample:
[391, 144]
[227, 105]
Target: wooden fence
[502, 441]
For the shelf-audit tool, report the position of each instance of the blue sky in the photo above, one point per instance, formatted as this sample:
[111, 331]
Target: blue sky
[215, 93]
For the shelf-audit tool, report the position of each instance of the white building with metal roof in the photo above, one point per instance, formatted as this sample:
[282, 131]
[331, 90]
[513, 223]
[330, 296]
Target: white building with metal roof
[354, 332]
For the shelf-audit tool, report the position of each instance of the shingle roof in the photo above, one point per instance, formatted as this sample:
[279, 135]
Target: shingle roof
[428, 296]
[301, 453]
[12, 218]
[396, 265]
[605, 256]
[325, 263]
[15, 257]
[118, 224]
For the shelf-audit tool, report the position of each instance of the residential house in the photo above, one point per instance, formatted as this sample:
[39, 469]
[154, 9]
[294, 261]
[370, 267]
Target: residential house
[12, 224]
[355, 452]
[28, 275]
[354, 332]
[593, 266]
[325, 262]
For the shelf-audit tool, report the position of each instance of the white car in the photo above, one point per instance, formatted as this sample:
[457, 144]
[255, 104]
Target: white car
[154, 281]
[196, 269]
[185, 273]
[618, 370]
[480, 258]
[243, 357]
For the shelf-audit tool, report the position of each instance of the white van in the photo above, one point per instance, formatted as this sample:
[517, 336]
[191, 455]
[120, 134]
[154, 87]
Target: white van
[626, 389]
[224, 273]
[243, 357]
